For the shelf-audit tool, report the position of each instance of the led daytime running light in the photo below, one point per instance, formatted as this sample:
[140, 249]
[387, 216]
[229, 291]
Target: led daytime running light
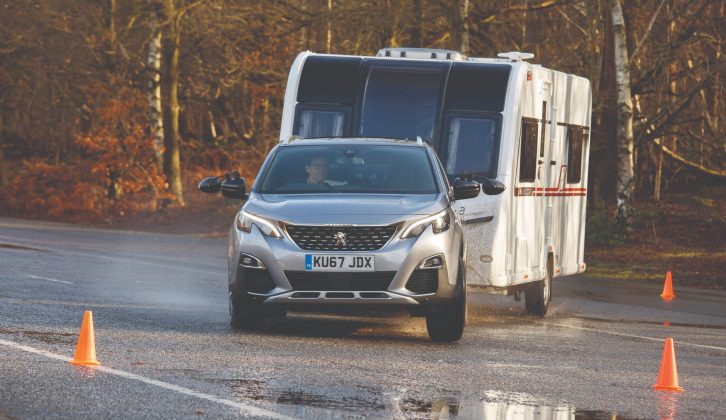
[440, 222]
[245, 221]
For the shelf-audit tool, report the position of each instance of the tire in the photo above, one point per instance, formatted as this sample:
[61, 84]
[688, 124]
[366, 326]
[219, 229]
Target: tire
[447, 325]
[242, 313]
[538, 296]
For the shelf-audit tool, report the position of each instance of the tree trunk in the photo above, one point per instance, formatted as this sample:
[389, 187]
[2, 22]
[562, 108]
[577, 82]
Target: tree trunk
[303, 40]
[464, 22]
[330, 26]
[658, 175]
[392, 14]
[603, 154]
[625, 175]
[3, 172]
[170, 100]
[524, 27]
[153, 63]
[114, 191]
[110, 11]
[417, 32]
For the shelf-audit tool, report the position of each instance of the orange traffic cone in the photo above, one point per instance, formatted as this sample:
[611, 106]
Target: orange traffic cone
[668, 373]
[668, 294]
[86, 349]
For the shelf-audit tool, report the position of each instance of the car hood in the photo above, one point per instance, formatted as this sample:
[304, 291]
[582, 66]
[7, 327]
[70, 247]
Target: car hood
[378, 209]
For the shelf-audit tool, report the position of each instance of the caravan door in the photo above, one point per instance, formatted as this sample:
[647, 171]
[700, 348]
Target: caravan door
[535, 173]
[471, 143]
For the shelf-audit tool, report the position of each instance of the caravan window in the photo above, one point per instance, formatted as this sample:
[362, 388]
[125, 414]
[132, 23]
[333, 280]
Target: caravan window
[472, 145]
[528, 150]
[315, 123]
[575, 138]
[401, 102]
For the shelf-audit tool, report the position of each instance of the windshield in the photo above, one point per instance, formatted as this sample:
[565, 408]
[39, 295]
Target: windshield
[366, 169]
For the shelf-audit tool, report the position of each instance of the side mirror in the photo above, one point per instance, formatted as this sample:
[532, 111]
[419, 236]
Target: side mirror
[210, 185]
[493, 187]
[465, 188]
[234, 188]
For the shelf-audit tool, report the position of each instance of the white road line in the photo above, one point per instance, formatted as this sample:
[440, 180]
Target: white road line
[245, 408]
[48, 279]
[641, 337]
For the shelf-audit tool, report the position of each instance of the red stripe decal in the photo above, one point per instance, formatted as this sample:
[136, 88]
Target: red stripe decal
[549, 192]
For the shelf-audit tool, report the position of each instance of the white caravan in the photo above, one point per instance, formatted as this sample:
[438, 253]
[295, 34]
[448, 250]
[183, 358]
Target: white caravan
[500, 119]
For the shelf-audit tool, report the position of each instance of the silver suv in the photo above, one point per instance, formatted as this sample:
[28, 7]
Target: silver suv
[351, 225]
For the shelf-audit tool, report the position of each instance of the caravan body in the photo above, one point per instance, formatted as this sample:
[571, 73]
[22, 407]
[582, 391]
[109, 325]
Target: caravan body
[499, 118]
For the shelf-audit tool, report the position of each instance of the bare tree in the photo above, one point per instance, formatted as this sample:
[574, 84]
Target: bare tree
[3, 173]
[171, 17]
[625, 175]
[464, 26]
[153, 64]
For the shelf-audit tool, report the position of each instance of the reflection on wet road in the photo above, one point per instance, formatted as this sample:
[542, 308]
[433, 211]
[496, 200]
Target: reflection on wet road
[160, 313]
[491, 405]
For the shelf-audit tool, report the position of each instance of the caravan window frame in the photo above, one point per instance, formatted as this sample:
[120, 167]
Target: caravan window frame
[574, 133]
[535, 143]
[347, 111]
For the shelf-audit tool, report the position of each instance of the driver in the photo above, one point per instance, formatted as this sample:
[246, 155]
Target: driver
[317, 170]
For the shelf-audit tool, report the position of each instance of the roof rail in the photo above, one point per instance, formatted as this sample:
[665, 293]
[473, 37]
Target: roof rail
[516, 55]
[421, 54]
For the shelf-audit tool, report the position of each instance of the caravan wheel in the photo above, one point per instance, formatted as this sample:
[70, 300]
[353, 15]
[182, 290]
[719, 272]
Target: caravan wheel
[537, 297]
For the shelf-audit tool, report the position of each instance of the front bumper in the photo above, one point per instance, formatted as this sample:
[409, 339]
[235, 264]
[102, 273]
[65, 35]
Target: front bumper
[401, 258]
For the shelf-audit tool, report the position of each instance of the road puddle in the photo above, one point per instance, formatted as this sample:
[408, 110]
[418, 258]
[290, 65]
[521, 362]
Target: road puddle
[663, 324]
[369, 402]
[44, 336]
[6, 245]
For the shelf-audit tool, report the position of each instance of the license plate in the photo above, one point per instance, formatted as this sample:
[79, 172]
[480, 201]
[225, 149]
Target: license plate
[339, 262]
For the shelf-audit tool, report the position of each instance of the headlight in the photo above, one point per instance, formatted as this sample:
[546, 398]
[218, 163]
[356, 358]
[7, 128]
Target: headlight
[245, 221]
[439, 222]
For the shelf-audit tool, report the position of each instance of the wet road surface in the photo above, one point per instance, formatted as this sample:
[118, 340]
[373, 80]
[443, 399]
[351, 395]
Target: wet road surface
[166, 351]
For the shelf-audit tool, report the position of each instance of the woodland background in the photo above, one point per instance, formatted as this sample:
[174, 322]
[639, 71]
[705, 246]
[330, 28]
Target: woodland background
[112, 110]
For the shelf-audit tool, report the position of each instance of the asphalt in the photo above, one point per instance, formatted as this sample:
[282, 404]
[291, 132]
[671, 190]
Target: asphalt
[166, 350]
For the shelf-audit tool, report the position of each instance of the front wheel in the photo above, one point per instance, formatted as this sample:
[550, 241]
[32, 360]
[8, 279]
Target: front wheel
[447, 325]
[242, 318]
[538, 295]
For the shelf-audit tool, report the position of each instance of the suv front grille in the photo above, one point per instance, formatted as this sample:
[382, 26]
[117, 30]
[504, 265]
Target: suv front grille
[343, 282]
[329, 238]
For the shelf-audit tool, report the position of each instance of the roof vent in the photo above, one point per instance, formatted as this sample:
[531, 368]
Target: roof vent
[421, 54]
[516, 55]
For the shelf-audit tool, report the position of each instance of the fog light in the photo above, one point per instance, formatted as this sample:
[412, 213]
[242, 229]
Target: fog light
[250, 261]
[436, 261]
